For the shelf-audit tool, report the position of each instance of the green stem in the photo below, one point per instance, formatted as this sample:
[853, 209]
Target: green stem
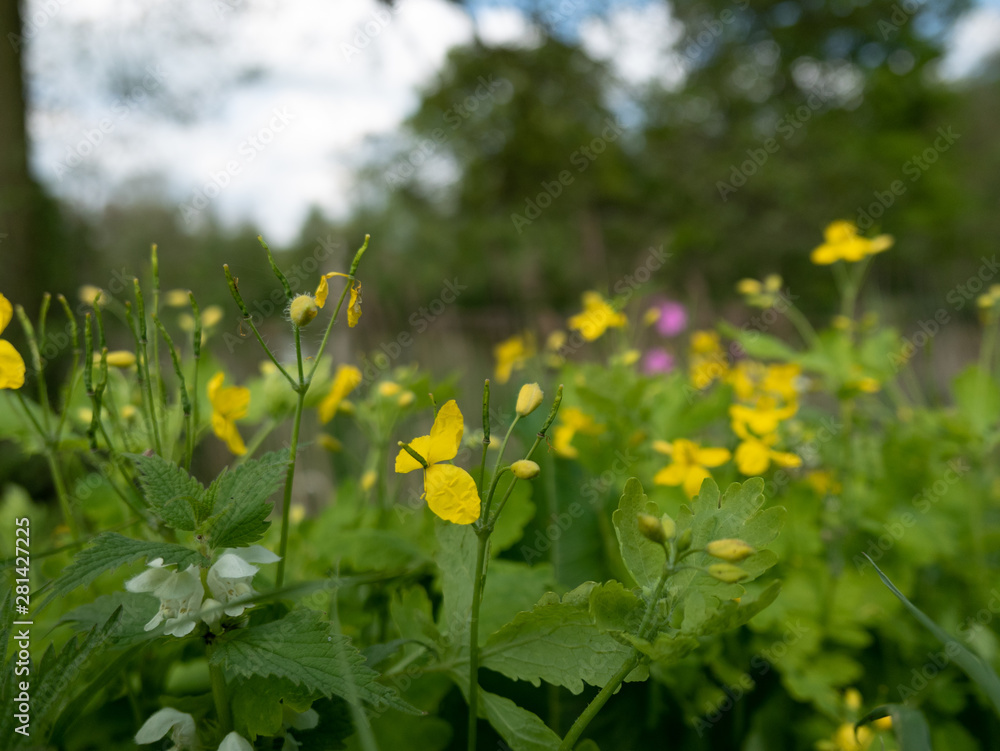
[483, 537]
[496, 471]
[289, 478]
[618, 678]
[140, 314]
[221, 697]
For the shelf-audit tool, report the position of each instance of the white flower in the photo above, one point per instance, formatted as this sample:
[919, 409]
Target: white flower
[300, 720]
[180, 593]
[211, 613]
[230, 576]
[235, 742]
[180, 725]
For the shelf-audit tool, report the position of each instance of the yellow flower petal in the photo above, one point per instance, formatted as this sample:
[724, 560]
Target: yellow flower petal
[451, 493]
[406, 463]
[692, 481]
[11, 367]
[354, 306]
[6, 312]
[711, 457]
[671, 475]
[446, 434]
[345, 380]
[752, 458]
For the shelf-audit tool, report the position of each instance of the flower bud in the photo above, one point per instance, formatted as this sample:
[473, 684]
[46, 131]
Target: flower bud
[302, 310]
[727, 572]
[652, 529]
[525, 469]
[730, 550]
[684, 542]
[669, 526]
[529, 399]
[120, 358]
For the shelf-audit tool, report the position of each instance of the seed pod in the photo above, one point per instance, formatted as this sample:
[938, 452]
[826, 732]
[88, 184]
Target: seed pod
[302, 310]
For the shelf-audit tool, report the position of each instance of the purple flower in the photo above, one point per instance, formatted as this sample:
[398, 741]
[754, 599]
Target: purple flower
[672, 320]
[657, 361]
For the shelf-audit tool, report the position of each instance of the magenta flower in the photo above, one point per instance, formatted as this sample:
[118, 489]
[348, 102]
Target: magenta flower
[672, 320]
[657, 361]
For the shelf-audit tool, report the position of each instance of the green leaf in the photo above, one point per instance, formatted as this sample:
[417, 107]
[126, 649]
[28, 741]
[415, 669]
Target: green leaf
[666, 649]
[239, 504]
[333, 729]
[110, 550]
[520, 729]
[908, 724]
[615, 608]
[643, 559]
[978, 398]
[137, 610]
[973, 666]
[306, 650]
[60, 677]
[169, 490]
[730, 614]
[258, 702]
[556, 642]
[759, 345]
[456, 560]
[511, 587]
[517, 514]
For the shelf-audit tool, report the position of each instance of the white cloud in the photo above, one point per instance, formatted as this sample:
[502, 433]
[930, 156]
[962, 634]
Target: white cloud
[638, 42]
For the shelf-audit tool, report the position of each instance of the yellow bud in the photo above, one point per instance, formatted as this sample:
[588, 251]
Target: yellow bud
[368, 480]
[120, 359]
[128, 412]
[211, 316]
[525, 469]
[406, 399]
[749, 287]
[88, 292]
[730, 550]
[296, 513]
[772, 282]
[727, 572]
[669, 526]
[330, 443]
[389, 388]
[176, 298]
[651, 528]
[302, 310]
[651, 316]
[529, 399]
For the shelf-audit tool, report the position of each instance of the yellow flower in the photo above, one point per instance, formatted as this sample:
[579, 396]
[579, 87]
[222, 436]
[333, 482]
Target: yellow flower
[754, 455]
[780, 380]
[11, 362]
[596, 318]
[353, 304]
[406, 399]
[760, 294]
[842, 243]
[296, 513]
[763, 418]
[228, 405]
[90, 294]
[823, 482]
[511, 354]
[389, 388]
[572, 421]
[450, 491]
[345, 380]
[708, 359]
[688, 468]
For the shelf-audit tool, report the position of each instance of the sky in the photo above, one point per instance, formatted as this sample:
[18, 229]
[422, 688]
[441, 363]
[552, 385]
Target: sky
[258, 110]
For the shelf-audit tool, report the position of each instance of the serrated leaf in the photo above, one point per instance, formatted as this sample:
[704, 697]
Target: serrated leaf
[169, 490]
[517, 514]
[258, 703]
[908, 724]
[60, 677]
[110, 550]
[615, 608]
[556, 642]
[306, 650]
[643, 559]
[511, 587]
[239, 500]
[520, 729]
[729, 614]
[666, 649]
[136, 613]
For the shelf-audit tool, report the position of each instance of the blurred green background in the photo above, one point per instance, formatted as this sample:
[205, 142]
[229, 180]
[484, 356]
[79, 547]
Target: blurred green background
[533, 170]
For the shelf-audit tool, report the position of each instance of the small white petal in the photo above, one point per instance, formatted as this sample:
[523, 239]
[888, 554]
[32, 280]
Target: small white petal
[162, 722]
[235, 742]
[232, 566]
[255, 554]
[148, 580]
